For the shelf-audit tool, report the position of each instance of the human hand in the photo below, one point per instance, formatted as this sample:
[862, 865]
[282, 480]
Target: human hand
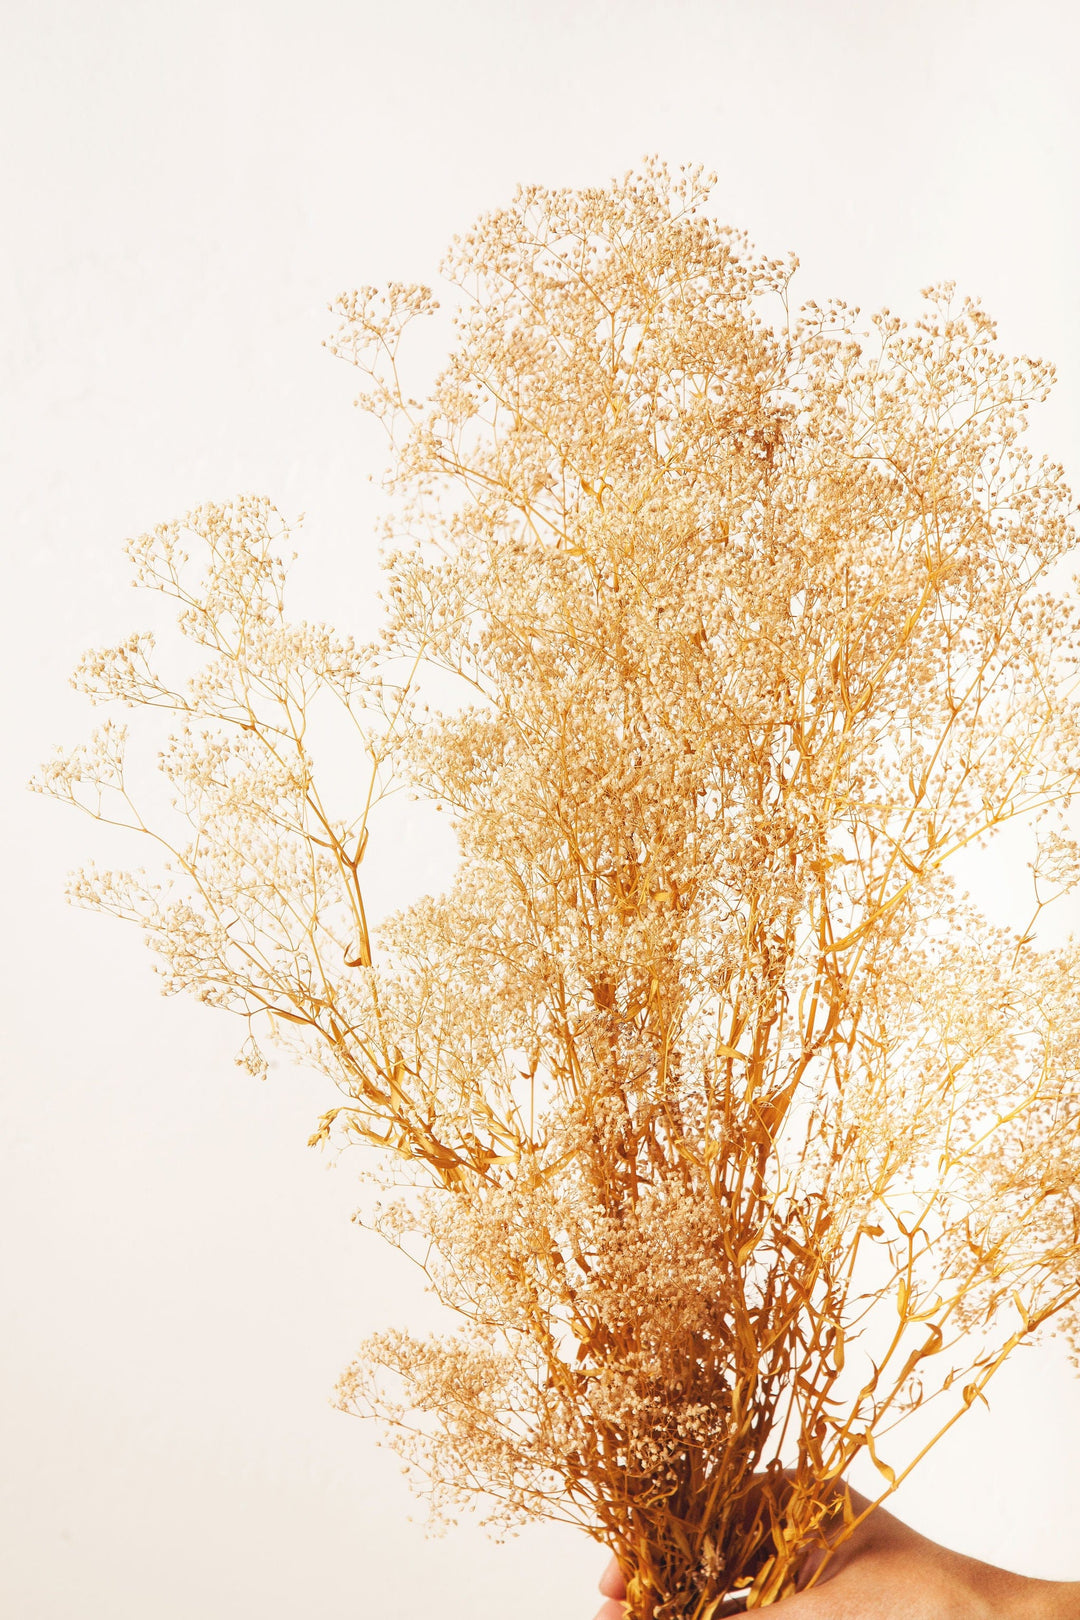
[887, 1571]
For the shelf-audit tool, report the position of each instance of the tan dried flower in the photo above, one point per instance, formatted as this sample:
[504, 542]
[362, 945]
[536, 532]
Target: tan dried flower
[730, 1129]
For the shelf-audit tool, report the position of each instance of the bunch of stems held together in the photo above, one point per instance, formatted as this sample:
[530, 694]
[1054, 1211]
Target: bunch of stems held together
[733, 1132]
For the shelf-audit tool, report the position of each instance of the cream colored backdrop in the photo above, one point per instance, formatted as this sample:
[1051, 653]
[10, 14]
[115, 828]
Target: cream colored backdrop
[184, 187]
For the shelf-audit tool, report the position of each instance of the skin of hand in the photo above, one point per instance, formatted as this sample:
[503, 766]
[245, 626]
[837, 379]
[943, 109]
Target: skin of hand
[887, 1571]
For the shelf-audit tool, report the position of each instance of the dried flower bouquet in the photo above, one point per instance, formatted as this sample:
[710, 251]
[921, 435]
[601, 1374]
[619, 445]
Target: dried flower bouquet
[736, 1136]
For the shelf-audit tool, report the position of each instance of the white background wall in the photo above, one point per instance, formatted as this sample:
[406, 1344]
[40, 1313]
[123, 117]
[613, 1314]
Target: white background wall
[184, 186]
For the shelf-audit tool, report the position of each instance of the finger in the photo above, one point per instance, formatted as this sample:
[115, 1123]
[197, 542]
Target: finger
[815, 1605]
[611, 1582]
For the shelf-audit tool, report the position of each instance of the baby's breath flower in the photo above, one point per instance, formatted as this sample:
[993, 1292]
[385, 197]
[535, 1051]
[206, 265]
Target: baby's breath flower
[728, 1127]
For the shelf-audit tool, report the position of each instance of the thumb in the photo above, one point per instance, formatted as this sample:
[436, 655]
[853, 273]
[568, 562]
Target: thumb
[612, 1583]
